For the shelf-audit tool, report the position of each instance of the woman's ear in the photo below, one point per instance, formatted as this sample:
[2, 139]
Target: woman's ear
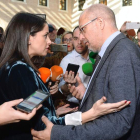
[30, 40]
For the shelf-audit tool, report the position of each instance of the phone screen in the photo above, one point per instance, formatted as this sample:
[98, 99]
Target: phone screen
[132, 25]
[32, 101]
[73, 67]
[59, 48]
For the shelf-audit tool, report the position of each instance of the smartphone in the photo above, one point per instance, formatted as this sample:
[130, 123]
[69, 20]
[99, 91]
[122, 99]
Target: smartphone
[73, 67]
[33, 101]
[59, 48]
[132, 25]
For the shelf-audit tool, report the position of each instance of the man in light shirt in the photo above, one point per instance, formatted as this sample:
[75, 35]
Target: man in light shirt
[78, 56]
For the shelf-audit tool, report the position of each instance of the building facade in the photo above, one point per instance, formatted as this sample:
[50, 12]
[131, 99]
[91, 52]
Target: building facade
[65, 13]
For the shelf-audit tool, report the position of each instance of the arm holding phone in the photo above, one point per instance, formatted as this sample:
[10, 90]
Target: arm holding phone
[9, 115]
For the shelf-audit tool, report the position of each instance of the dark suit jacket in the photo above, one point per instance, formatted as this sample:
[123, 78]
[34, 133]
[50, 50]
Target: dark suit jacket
[118, 78]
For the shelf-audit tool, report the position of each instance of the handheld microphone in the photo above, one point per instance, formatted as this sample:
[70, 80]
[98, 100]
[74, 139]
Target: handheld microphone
[92, 56]
[87, 69]
[56, 73]
[45, 74]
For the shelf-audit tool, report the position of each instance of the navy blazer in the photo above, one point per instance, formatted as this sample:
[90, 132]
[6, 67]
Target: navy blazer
[118, 78]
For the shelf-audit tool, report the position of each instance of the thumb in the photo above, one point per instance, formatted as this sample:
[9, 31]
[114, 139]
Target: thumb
[103, 99]
[15, 102]
[78, 79]
[45, 120]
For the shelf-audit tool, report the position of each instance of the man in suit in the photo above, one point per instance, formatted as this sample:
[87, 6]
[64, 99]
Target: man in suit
[117, 76]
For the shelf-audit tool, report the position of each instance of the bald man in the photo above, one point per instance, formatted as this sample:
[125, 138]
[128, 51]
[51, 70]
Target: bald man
[117, 76]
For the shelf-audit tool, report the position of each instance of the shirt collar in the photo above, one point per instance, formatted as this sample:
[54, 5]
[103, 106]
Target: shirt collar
[107, 42]
[76, 54]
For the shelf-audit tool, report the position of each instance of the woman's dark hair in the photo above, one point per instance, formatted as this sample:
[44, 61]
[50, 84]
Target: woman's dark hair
[16, 37]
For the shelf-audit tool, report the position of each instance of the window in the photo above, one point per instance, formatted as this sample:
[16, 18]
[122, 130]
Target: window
[127, 2]
[81, 4]
[103, 2]
[62, 4]
[43, 2]
[19, 0]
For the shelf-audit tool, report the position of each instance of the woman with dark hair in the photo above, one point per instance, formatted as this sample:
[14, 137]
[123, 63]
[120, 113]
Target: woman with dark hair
[26, 36]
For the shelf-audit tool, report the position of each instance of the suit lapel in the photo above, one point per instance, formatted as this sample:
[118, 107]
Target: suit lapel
[104, 58]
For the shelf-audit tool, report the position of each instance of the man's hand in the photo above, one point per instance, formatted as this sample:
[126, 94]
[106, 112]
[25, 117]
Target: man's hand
[77, 92]
[65, 109]
[46, 133]
[9, 115]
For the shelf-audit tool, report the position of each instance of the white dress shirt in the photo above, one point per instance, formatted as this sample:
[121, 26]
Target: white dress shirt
[74, 58]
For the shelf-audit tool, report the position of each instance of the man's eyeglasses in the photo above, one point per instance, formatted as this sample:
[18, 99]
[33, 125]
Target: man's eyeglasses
[67, 40]
[82, 27]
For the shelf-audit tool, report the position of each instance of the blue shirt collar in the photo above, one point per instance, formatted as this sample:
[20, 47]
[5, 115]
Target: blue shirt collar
[107, 42]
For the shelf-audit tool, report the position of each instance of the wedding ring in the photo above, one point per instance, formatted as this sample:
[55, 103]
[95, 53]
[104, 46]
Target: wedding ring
[115, 111]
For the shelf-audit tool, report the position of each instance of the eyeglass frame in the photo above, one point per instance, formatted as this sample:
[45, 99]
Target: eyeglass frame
[82, 27]
[67, 40]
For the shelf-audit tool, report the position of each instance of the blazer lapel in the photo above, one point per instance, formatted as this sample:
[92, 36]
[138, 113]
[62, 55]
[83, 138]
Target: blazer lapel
[104, 58]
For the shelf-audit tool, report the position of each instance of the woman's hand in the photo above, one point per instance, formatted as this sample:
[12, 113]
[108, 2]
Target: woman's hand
[65, 109]
[9, 115]
[101, 108]
[54, 88]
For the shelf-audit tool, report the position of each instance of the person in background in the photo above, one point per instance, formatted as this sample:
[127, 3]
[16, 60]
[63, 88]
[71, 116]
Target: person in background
[52, 58]
[78, 56]
[52, 32]
[130, 33]
[67, 39]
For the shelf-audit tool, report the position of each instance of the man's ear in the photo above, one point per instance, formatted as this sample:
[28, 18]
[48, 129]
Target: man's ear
[101, 23]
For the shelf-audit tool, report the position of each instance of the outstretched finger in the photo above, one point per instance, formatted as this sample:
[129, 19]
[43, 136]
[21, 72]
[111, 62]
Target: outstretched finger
[116, 105]
[123, 106]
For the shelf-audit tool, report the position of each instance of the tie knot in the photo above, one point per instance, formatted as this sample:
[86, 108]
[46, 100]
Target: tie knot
[98, 57]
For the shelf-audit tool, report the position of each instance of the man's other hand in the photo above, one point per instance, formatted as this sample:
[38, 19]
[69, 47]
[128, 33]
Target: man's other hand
[44, 134]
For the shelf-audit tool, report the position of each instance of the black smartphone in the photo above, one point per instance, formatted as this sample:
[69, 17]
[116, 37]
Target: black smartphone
[33, 101]
[73, 67]
[59, 48]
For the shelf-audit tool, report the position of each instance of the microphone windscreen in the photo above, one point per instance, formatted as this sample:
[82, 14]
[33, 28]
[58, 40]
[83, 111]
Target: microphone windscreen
[56, 73]
[87, 69]
[45, 74]
[92, 56]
